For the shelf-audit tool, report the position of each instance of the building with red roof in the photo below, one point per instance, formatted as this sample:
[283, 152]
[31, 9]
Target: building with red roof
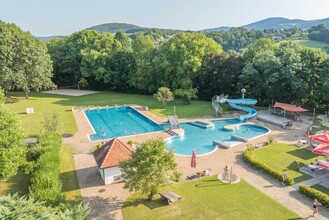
[108, 158]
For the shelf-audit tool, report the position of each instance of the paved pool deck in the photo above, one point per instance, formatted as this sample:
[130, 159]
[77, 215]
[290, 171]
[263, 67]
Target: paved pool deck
[106, 200]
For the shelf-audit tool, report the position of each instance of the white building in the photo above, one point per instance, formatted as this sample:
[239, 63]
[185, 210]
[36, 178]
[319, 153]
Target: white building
[108, 158]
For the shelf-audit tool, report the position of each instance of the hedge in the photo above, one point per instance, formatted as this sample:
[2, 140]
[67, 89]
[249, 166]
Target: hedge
[323, 198]
[45, 179]
[15, 207]
[248, 156]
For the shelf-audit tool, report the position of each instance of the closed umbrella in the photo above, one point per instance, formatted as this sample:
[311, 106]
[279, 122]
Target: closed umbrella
[193, 159]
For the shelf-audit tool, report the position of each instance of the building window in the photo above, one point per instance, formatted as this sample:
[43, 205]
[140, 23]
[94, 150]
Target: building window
[116, 178]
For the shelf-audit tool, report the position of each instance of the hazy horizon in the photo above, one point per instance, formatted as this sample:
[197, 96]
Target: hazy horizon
[48, 18]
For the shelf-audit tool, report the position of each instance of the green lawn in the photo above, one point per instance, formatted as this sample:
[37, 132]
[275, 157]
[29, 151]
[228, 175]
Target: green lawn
[315, 44]
[68, 176]
[17, 184]
[321, 188]
[208, 198]
[284, 157]
[43, 103]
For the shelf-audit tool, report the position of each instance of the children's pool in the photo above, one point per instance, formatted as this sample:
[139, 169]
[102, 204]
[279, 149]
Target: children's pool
[201, 139]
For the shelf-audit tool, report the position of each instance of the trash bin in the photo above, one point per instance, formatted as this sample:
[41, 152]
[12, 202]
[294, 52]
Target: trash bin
[146, 108]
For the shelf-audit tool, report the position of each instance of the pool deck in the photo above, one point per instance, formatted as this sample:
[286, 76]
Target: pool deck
[106, 200]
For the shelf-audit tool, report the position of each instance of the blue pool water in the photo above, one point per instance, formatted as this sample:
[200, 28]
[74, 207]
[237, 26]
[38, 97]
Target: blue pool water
[201, 139]
[118, 122]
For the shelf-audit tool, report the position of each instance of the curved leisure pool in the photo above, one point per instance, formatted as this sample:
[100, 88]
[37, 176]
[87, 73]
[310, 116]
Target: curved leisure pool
[201, 139]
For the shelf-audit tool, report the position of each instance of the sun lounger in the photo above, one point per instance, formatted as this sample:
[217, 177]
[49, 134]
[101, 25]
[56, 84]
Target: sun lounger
[170, 197]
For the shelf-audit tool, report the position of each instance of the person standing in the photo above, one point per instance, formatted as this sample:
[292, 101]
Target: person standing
[225, 173]
[315, 207]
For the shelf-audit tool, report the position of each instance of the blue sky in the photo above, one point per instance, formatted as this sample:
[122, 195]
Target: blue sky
[63, 17]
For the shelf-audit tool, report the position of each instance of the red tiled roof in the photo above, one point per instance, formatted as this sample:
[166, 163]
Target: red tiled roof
[112, 153]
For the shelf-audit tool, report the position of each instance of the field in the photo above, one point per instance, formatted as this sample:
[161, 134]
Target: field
[315, 44]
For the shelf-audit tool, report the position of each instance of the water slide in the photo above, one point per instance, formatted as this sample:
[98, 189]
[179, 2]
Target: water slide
[239, 104]
[236, 104]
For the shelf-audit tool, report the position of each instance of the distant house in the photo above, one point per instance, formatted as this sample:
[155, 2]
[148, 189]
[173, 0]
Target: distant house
[108, 158]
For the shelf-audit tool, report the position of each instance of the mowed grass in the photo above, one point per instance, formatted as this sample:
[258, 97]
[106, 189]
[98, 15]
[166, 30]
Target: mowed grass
[285, 158]
[315, 44]
[208, 198]
[70, 185]
[17, 184]
[47, 103]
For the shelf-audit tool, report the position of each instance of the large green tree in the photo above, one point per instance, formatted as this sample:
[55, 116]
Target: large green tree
[24, 61]
[148, 167]
[12, 149]
[180, 58]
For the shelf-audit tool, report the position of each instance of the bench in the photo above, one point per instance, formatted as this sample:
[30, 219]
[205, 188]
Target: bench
[170, 197]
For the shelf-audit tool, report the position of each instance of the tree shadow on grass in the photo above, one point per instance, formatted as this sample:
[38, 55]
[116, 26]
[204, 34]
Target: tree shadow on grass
[153, 204]
[209, 183]
[104, 208]
[302, 153]
[17, 184]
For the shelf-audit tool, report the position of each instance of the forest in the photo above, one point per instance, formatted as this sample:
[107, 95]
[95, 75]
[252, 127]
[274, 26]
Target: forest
[191, 64]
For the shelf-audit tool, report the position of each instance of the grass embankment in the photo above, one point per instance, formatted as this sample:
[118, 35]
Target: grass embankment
[43, 103]
[70, 185]
[208, 198]
[286, 158]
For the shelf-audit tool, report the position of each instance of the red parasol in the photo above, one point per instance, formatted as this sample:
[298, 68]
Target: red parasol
[322, 149]
[325, 165]
[323, 137]
[193, 159]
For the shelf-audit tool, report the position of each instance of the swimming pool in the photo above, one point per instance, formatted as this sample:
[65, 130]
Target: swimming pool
[119, 122]
[201, 139]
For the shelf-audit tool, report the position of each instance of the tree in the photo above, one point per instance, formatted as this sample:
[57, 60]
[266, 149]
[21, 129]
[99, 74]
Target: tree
[186, 94]
[219, 75]
[144, 75]
[148, 167]
[125, 41]
[12, 149]
[164, 95]
[2, 97]
[180, 58]
[24, 61]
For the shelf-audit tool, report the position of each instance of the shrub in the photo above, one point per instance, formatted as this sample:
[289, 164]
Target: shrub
[130, 142]
[45, 180]
[98, 146]
[323, 198]
[163, 95]
[176, 176]
[271, 138]
[186, 94]
[15, 207]
[248, 156]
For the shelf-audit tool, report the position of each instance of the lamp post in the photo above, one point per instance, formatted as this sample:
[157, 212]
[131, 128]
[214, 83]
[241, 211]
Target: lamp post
[243, 90]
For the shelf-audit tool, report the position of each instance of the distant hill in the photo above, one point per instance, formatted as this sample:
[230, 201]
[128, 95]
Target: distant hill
[127, 28]
[49, 37]
[114, 27]
[277, 23]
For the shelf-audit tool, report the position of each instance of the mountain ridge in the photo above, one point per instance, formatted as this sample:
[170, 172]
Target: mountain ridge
[276, 23]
